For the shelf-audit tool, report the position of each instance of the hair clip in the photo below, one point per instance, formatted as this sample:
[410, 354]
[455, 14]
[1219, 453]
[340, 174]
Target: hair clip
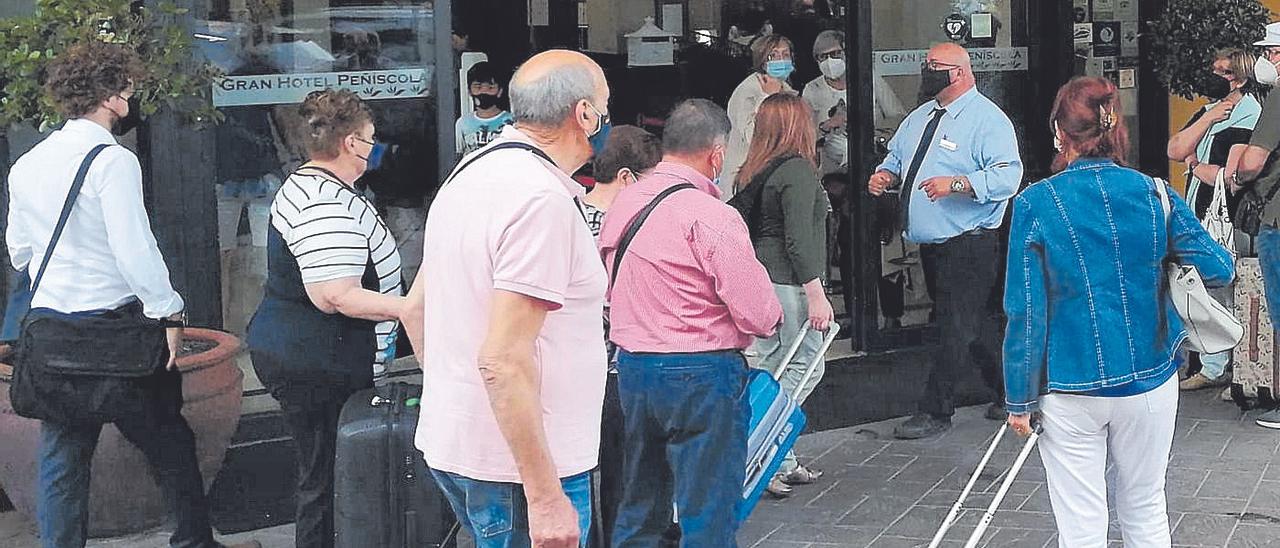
[1106, 118]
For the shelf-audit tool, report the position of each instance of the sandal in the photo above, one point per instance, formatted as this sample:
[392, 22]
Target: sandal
[777, 489]
[801, 476]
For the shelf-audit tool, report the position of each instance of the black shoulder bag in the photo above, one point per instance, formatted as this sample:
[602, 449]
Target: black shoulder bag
[84, 367]
[1248, 216]
[748, 201]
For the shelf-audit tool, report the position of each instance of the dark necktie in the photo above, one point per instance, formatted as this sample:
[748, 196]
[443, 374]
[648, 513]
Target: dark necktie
[909, 181]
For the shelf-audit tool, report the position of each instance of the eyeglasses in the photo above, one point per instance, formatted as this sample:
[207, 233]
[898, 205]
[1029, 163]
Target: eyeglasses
[938, 65]
[833, 54]
[778, 55]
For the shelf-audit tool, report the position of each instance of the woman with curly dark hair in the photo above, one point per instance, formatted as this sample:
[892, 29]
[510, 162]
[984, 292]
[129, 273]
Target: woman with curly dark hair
[94, 261]
[327, 323]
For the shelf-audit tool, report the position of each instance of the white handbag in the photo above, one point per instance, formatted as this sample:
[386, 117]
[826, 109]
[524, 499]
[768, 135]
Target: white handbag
[1211, 328]
[1217, 218]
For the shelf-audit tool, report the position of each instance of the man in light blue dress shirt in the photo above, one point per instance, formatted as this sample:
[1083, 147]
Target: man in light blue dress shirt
[955, 163]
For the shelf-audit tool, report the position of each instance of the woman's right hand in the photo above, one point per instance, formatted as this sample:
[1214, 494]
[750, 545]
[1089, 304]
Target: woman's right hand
[820, 313]
[1221, 111]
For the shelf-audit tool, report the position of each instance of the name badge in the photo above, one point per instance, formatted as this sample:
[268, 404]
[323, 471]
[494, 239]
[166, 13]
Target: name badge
[949, 145]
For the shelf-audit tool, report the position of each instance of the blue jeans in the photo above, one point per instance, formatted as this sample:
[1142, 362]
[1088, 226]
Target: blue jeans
[497, 514]
[165, 439]
[1268, 245]
[686, 440]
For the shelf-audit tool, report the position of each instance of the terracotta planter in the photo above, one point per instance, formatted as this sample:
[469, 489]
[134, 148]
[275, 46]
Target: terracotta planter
[124, 499]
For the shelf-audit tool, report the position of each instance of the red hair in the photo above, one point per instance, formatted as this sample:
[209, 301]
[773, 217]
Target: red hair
[784, 125]
[1088, 117]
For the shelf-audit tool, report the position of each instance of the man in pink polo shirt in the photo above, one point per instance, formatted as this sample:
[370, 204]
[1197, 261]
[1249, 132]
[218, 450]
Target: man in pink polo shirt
[506, 313]
[689, 296]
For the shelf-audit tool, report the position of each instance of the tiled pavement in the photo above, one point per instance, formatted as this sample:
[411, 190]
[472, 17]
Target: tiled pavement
[1224, 489]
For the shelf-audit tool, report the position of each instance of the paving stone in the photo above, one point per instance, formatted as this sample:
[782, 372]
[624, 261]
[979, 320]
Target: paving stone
[1267, 497]
[824, 533]
[1203, 530]
[1229, 485]
[878, 512]
[1255, 536]
[1273, 472]
[1019, 538]
[1259, 447]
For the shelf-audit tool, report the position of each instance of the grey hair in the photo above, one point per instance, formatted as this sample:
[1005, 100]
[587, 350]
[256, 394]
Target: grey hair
[548, 100]
[695, 125]
[828, 40]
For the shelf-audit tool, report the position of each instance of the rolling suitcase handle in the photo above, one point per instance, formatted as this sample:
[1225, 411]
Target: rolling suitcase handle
[821, 356]
[990, 513]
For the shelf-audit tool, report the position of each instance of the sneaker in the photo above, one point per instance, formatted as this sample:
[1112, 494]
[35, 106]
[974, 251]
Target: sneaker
[801, 476]
[1197, 382]
[1270, 419]
[777, 489]
[920, 426]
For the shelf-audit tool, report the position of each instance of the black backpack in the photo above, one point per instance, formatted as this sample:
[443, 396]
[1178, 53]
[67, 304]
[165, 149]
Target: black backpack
[748, 199]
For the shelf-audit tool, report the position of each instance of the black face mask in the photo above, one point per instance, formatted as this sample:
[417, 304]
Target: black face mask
[132, 120]
[932, 82]
[1216, 87]
[485, 100]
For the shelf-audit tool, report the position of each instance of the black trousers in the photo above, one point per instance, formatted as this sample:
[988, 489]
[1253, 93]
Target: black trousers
[612, 436]
[966, 272]
[166, 441]
[311, 408]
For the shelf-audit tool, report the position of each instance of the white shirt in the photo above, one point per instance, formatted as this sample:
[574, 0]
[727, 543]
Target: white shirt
[107, 255]
[334, 233]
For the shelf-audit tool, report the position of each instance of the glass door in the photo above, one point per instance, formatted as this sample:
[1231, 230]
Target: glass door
[275, 52]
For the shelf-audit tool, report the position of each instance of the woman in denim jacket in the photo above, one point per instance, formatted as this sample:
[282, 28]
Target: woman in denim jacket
[1092, 338]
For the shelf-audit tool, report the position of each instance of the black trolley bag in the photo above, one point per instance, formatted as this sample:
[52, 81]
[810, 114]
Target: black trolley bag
[384, 495]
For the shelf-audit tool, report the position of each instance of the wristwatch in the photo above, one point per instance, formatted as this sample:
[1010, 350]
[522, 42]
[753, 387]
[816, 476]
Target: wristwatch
[170, 322]
[957, 185]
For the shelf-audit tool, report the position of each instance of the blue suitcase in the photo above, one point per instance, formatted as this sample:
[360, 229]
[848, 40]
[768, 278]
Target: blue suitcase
[776, 421]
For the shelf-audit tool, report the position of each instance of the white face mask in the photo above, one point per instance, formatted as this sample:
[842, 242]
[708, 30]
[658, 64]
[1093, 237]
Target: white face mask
[833, 69]
[1264, 71]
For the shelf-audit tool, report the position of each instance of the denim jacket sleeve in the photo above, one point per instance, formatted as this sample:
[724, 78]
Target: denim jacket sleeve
[1191, 244]
[1026, 305]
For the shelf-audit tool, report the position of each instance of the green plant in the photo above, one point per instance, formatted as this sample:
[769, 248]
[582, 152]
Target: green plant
[28, 44]
[1190, 32]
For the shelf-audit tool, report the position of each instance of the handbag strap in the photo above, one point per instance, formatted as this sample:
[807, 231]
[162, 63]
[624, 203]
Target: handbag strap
[67, 206]
[635, 225]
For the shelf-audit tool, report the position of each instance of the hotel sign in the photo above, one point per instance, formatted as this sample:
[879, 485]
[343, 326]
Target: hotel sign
[273, 89]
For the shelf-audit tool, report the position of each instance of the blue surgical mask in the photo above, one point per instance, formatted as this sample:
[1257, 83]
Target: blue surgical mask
[376, 152]
[780, 68]
[601, 135]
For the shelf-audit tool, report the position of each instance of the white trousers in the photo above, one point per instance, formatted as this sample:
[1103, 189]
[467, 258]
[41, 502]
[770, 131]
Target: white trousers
[1090, 442]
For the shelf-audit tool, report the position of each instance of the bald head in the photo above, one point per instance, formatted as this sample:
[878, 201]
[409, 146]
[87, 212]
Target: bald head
[951, 54]
[547, 88]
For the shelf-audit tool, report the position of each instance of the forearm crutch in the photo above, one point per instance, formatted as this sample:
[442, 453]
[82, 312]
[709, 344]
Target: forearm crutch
[954, 514]
[990, 514]
[964, 494]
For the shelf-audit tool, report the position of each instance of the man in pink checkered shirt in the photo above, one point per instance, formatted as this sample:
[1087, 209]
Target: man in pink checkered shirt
[689, 296]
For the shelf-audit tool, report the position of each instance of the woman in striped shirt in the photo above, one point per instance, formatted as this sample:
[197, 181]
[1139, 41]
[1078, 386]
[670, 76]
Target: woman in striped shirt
[327, 323]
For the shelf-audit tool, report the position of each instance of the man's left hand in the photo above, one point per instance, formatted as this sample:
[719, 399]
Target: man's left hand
[938, 188]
